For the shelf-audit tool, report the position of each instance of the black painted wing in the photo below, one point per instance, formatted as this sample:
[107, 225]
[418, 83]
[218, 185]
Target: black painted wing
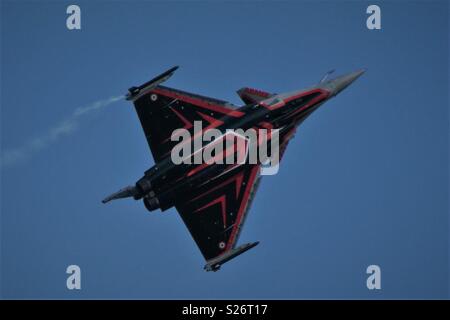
[163, 110]
[215, 212]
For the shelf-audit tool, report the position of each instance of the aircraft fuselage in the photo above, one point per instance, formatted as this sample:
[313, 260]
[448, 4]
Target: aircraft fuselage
[165, 182]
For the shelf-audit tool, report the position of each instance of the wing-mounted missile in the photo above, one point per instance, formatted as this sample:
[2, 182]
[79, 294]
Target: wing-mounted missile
[214, 264]
[136, 92]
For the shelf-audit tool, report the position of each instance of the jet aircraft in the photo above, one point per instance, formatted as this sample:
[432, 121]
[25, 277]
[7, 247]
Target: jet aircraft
[213, 199]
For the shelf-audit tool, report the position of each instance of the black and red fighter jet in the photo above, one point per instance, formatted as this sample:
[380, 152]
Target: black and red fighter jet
[213, 199]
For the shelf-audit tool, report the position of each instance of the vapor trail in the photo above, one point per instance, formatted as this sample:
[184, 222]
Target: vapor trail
[53, 134]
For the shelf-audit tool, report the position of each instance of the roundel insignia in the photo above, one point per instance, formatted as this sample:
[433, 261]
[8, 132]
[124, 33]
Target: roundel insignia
[221, 245]
[153, 97]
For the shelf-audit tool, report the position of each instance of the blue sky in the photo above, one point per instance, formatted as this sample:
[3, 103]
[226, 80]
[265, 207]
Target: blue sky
[365, 181]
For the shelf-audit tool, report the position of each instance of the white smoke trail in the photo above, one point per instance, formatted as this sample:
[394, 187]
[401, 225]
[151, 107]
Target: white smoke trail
[52, 135]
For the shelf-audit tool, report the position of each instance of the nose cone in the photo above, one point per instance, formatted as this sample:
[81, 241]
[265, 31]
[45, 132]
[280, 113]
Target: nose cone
[340, 83]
